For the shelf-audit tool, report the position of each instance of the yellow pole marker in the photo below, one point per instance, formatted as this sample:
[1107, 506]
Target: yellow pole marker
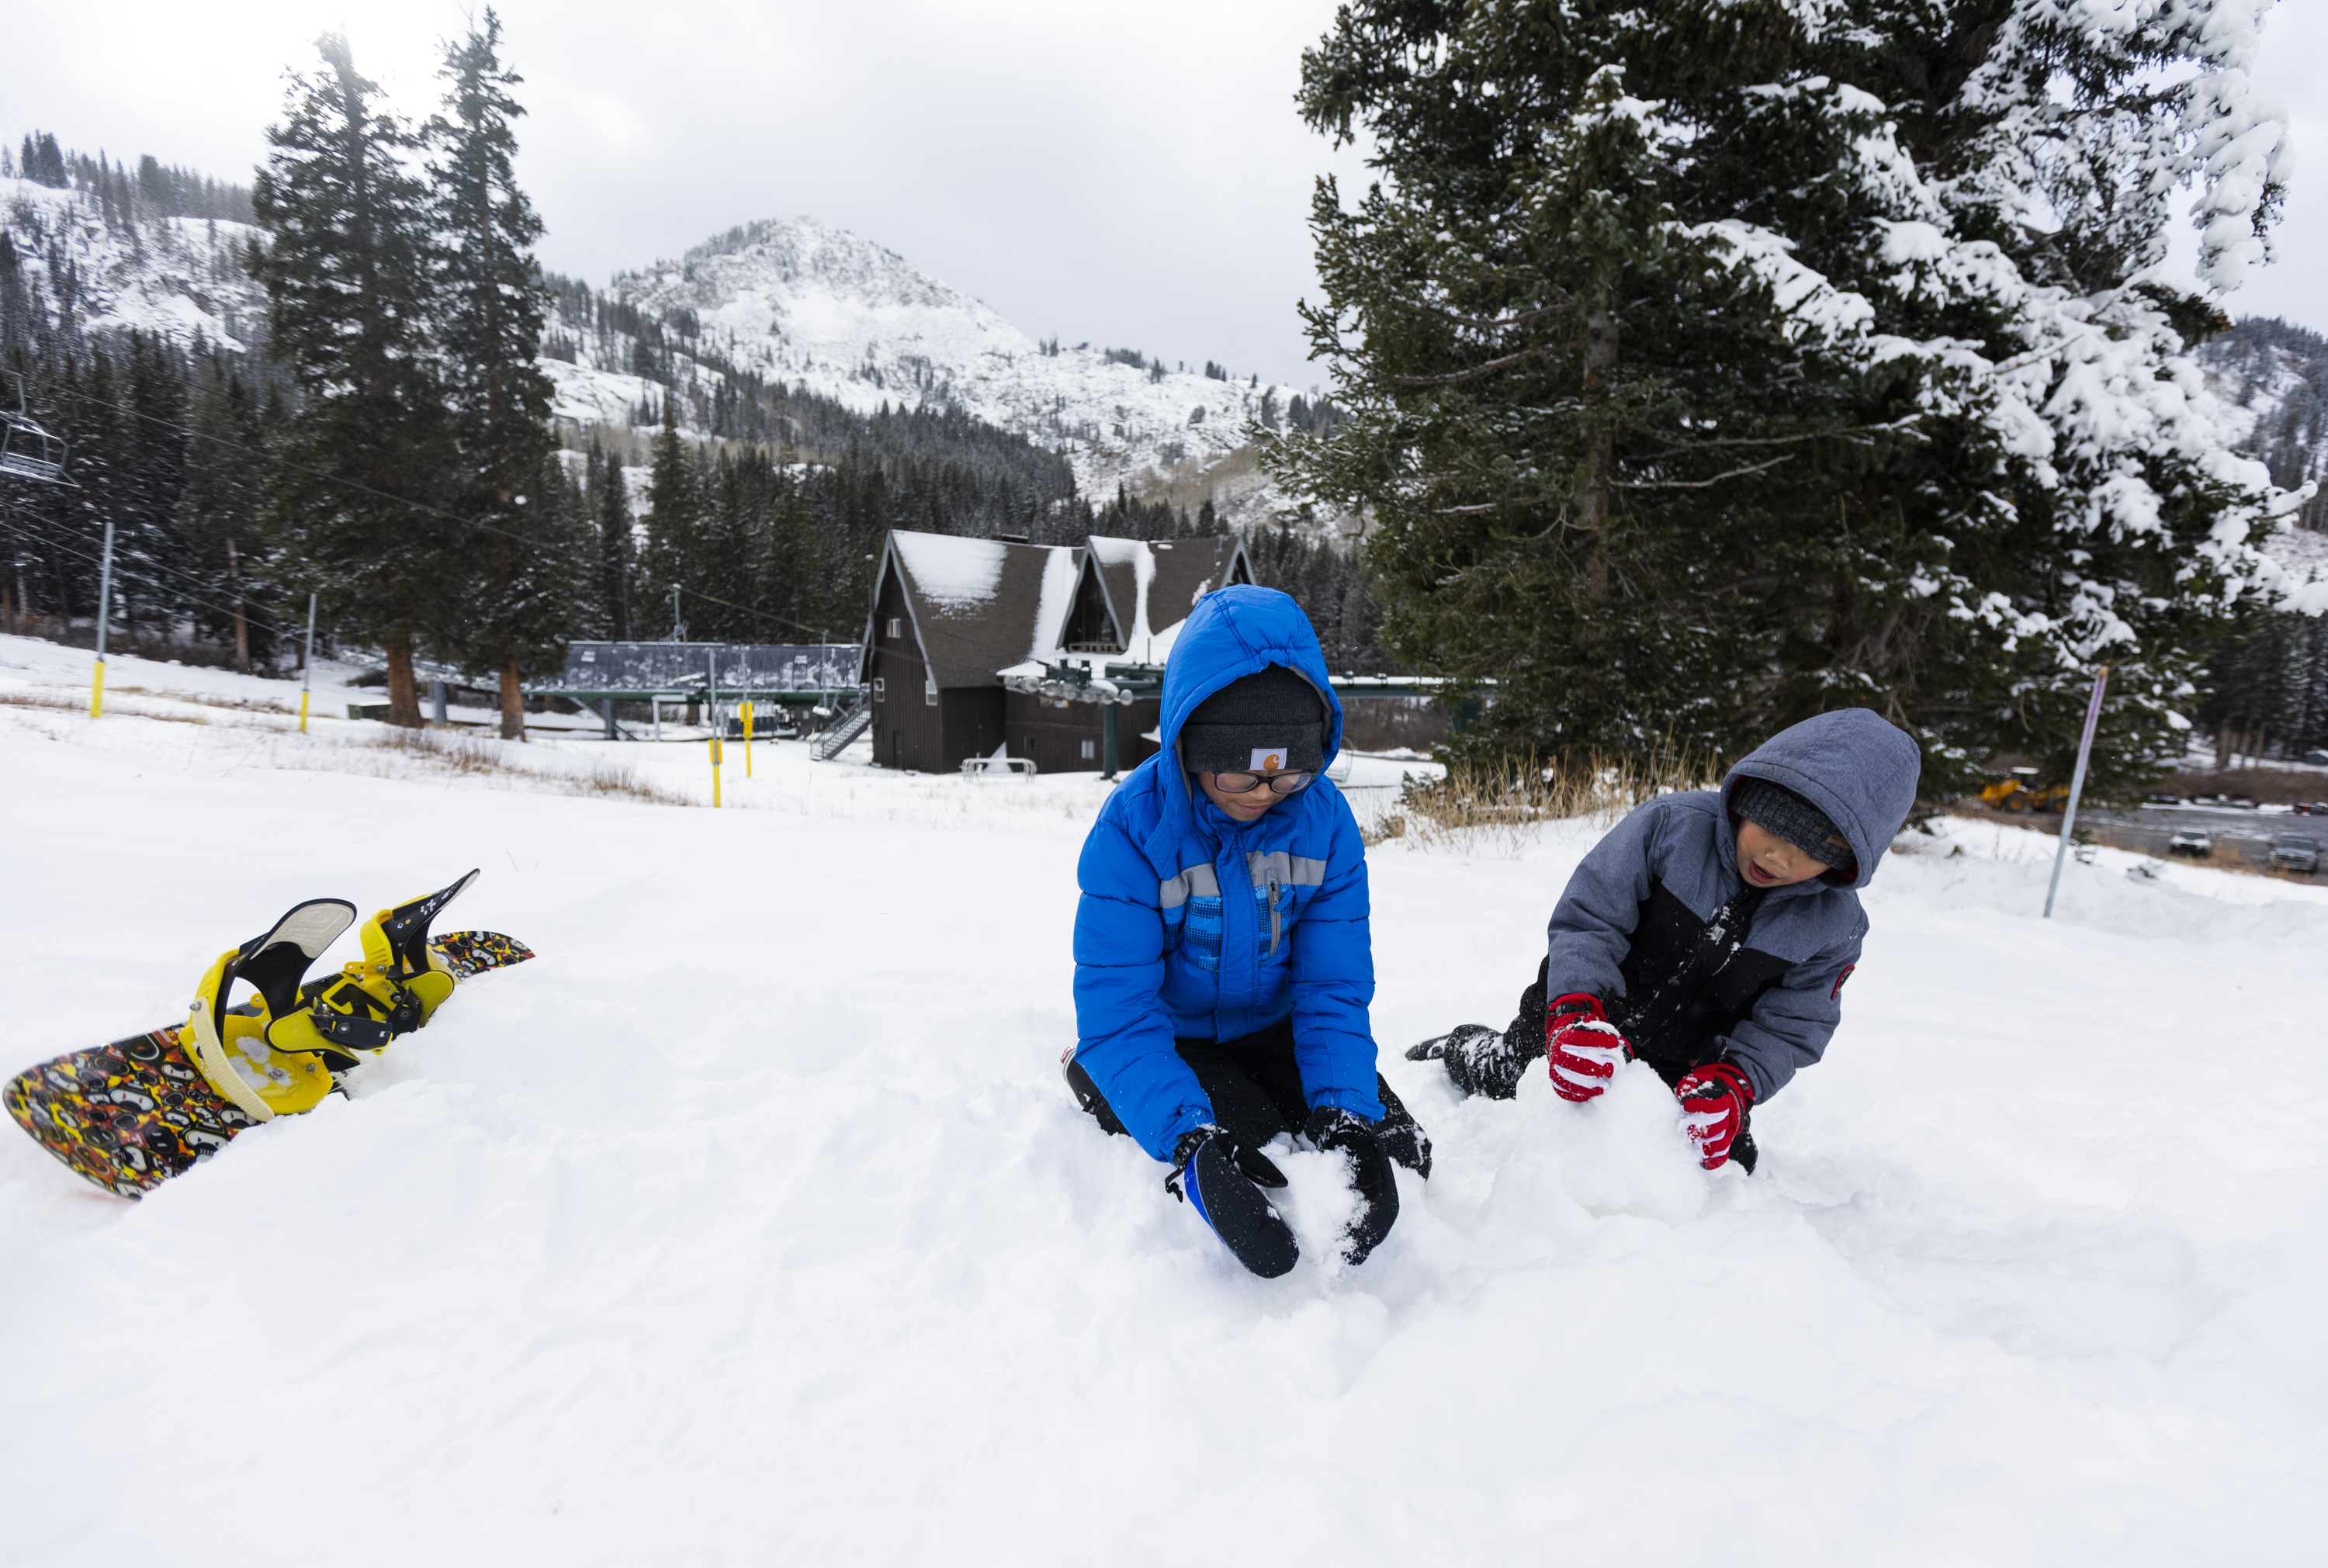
[104, 614]
[307, 665]
[715, 770]
[748, 738]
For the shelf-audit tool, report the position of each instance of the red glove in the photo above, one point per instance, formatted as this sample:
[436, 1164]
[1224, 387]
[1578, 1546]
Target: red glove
[1583, 1046]
[1713, 1100]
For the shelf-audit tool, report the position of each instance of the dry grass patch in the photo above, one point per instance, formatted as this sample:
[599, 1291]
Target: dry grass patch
[57, 702]
[206, 699]
[1500, 807]
[472, 757]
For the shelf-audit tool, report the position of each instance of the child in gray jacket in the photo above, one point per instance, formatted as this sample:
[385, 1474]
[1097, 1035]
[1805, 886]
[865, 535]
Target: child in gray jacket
[1709, 934]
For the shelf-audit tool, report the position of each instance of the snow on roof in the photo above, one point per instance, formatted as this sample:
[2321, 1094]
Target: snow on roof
[951, 571]
[1059, 575]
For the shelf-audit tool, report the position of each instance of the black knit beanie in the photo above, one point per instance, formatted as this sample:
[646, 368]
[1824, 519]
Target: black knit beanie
[1270, 721]
[1779, 811]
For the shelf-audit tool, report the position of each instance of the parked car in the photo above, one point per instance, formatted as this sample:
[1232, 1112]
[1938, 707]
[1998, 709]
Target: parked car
[2196, 842]
[2294, 852]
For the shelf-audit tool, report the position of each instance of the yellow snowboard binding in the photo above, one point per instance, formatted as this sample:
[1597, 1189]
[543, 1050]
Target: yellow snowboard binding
[278, 1054]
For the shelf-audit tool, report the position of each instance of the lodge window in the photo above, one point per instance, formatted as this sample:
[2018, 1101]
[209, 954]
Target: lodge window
[1091, 750]
[930, 691]
[897, 627]
[879, 688]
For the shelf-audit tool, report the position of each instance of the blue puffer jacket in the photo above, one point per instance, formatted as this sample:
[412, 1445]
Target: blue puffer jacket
[1192, 925]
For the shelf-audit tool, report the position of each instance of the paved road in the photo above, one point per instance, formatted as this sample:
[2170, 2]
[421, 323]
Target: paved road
[2247, 834]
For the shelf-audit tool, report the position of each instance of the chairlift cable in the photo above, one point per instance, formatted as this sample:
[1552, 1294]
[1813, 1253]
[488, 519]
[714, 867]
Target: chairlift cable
[83, 555]
[401, 500]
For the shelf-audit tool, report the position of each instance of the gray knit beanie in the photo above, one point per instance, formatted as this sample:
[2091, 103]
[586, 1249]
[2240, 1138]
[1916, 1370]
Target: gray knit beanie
[1779, 811]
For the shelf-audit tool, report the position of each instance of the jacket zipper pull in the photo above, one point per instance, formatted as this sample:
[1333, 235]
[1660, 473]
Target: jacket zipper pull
[1273, 886]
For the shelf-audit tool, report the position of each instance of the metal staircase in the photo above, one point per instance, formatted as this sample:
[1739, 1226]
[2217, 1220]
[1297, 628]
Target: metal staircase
[828, 742]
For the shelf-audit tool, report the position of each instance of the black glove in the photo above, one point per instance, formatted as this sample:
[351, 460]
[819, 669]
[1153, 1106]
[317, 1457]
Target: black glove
[1341, 1132]
[1222, 1182]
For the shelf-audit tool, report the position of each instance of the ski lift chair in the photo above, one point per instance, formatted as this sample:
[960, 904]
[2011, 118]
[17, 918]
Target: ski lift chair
[26, 450]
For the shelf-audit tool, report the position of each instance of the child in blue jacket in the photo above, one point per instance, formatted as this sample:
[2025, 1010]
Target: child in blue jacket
[1222, 961]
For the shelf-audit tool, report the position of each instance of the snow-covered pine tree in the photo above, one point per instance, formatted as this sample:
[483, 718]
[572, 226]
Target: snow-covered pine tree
[610, 507]
[150, 564]
[673, 553]
[1704, 365]
[491, 303]
[357, 504]
[217, 510]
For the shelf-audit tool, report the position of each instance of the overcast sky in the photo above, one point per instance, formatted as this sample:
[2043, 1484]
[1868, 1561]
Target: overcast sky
[1126, 172]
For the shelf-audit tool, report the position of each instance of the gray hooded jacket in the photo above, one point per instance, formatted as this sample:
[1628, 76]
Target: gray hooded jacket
[1633, 927]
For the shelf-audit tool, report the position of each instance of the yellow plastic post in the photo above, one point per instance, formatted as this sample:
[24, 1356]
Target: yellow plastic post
[747, 739]
[97, 692]
[303, 713]
[715, 770]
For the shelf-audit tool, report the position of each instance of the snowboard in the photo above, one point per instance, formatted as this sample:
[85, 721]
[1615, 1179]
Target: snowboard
[131, 1114]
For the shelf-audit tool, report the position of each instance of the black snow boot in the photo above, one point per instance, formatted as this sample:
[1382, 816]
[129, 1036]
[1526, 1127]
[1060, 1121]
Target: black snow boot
[1480, 1060]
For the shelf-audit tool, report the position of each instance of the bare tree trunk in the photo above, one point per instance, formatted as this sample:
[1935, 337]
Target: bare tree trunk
[513, 701]
[403, 690]
[241, 626]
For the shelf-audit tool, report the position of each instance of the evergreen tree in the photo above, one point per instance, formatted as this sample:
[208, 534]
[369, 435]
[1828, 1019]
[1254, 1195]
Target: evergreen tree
[356, 506]
[491, 303]
[150, 558]
[1703, 366]
[618, 547]
[673, 553]
[218, 514]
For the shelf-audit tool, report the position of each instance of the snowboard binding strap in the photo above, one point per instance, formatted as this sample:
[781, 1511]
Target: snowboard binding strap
[274, 964]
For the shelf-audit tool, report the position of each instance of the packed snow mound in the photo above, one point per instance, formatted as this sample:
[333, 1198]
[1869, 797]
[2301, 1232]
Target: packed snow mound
[752, 1218]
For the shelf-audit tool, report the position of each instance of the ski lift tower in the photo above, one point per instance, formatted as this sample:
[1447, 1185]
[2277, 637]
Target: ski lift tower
[29, 452]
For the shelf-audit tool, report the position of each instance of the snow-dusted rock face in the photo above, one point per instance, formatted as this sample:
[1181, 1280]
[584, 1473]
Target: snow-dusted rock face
[175, 278]
[797, 300]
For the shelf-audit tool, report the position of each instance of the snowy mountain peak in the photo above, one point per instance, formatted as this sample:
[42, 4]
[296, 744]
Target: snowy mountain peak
[799, 301]
[812, 257]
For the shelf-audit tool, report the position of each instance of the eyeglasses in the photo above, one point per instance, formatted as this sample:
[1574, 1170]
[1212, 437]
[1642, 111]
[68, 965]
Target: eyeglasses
[1280, 783]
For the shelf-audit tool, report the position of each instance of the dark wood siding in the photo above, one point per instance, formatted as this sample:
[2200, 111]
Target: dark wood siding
[1052, 737]
[905, 727]
[972, 726]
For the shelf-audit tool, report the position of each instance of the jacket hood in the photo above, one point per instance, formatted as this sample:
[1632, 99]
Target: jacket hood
[1855, 766]
[1233, 633]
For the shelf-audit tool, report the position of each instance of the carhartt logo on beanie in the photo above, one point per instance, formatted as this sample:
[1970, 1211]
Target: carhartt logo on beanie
[1270, 721]
[1779, 811]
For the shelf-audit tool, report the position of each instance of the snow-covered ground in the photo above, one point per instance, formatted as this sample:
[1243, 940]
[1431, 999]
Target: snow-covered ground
[751, 1222]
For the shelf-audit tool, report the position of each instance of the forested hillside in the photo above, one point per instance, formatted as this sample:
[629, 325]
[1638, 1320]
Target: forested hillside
[156, 319]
